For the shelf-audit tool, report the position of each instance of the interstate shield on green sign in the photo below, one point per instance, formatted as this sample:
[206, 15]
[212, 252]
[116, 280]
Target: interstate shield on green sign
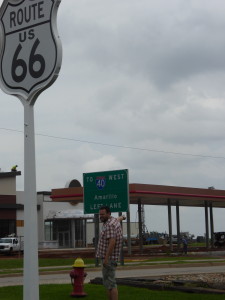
[109, 188]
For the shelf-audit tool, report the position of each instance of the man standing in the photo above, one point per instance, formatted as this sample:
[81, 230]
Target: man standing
[108, 250]
[185, 245]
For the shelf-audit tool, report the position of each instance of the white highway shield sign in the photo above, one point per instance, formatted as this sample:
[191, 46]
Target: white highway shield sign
[31, 49]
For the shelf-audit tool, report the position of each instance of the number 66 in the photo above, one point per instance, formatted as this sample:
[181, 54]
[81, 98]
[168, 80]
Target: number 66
[17, 62]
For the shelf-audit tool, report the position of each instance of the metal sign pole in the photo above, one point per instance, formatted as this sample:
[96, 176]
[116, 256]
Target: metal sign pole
[30, 61]
[96, 219]
[31, 279]
[122, 250]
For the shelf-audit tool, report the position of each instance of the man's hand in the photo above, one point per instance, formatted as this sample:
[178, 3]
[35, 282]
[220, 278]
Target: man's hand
[121, 218]
[105, 262]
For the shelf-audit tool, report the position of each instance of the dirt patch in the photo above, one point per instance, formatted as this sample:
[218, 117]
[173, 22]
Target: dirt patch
[211, 280]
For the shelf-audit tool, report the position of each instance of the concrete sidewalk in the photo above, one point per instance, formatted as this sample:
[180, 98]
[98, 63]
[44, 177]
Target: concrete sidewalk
[63, 277]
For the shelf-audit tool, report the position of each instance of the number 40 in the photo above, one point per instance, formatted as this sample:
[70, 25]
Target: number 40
[17, 62]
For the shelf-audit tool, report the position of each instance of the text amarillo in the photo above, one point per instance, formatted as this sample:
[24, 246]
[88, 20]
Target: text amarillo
[110, 197]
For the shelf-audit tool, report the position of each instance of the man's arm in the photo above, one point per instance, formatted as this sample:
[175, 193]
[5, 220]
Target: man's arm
[112, 243]
[121, 218]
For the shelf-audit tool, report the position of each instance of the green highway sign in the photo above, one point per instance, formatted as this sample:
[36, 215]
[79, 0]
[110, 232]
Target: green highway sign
[109, 188]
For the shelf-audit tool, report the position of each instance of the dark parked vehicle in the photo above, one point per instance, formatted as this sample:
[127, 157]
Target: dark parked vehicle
[219, 239]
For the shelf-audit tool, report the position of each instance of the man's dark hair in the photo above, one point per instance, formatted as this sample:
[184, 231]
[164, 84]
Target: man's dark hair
[107, 209]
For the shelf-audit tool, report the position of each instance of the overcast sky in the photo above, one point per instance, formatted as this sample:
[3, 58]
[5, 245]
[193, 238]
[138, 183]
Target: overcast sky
[141, 88]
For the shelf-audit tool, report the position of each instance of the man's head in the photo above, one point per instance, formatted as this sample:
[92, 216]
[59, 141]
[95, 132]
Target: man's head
[104, 213]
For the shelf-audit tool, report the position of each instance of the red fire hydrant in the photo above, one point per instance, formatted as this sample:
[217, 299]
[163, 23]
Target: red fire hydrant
[77, 278]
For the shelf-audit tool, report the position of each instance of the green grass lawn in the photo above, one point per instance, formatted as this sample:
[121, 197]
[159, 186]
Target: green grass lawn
[62, 291]
[12, 263]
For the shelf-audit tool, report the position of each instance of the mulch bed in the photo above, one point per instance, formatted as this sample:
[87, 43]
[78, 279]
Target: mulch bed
[213, 283]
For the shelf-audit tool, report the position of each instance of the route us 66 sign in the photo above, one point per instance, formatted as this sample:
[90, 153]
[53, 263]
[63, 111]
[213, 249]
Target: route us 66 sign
[31, 51]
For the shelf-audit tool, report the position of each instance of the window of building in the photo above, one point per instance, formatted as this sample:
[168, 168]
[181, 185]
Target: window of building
[7, 227]
[49, 230]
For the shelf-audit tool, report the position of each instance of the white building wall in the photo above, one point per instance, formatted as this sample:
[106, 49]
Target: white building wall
[8, 186]
[51, 208]
[133, 228]
[90, 232]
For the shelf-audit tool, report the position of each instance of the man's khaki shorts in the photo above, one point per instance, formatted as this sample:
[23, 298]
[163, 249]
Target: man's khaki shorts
[108, 275]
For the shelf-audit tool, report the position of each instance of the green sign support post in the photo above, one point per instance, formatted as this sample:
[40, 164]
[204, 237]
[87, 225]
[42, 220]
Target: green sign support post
[109, 188]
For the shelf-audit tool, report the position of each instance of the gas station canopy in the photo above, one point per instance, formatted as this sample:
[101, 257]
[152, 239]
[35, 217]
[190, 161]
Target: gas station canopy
[150, 194]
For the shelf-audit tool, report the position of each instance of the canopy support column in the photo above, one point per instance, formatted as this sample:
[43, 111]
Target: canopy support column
[170, 224]
[128, 233]
[140, 226]
[206, 225]
[178, 225]
[211, 224]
